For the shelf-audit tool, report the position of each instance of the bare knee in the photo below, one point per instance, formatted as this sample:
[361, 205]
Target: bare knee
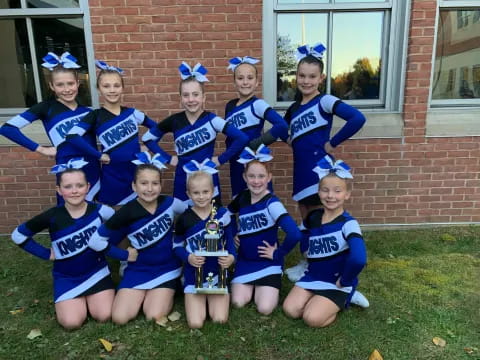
[265, 309]
[120, 319]
[71, 322]
[195, 323]
[103, 316]
[317, 321]
[240, 301]
[219, 318]
[292, 310]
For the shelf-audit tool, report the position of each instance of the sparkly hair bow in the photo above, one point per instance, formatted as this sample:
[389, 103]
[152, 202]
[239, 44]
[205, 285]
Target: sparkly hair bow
[262, 154]
[316, 51]
[104, 66]
[206, 165]
[73, 163]
[234, 62]
[67, 60]
[198, 72]
[326, 166]
[156, 160]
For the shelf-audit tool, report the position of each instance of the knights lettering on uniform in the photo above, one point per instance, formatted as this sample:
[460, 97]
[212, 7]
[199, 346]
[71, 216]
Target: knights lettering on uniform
[195, 240]
[238, 120]
[303, 122]
[192, 140]
[322, 245]
[76, 242]
[153, 230]
[119, 132]
[253, 222]
[64, 127]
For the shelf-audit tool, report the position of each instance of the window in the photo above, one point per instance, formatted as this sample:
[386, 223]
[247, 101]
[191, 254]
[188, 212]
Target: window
[457, 51]
[366, 47]
[30, 29]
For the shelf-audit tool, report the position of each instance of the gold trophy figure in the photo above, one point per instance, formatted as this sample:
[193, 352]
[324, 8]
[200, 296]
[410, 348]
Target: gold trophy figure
[209, 247]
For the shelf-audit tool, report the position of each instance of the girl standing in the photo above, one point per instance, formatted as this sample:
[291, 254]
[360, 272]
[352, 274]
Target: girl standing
[58, 116]
[190, 230]
[150, 279]
[116, 127]
[260, 257]
[248, 114]
[81, 278]
[195, 131]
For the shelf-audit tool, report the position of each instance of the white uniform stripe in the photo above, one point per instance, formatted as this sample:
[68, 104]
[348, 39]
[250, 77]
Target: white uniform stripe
[160, 280]
[87, 284]
[271, 270]
[322, 285]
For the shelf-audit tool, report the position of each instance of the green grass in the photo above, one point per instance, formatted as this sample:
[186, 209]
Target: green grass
[420, 283]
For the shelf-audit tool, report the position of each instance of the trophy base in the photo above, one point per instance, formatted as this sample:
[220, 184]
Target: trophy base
[212, 290]
[211, 253]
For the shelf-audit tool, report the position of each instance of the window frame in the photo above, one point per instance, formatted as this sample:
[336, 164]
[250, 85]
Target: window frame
[394, 49]
[28, 14]
[449, 103]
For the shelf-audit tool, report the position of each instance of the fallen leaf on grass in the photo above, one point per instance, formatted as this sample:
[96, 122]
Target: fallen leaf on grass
[17, 311]
[242, 338]
[106, 344]
[174, 316]
[375, 355]
[162, 321]
[34, 333]
[169, 328]
[470, 350]
[439, 341]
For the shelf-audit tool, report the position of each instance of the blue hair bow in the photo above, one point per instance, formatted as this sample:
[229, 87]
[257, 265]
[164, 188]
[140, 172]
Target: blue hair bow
[156, 160]
[234, 62]
[73, 163]
[206, 165]
[326, 166]
[198, 72]
[67, 60]
[316, 51]
[104, 66]
[263, 154]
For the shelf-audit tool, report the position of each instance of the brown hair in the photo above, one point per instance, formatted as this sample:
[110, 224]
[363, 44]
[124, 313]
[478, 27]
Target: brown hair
[70, 171]
[252, 65]
[264, 164]
[348, 182]
[108, 71]
[143, 167]
[190, 79]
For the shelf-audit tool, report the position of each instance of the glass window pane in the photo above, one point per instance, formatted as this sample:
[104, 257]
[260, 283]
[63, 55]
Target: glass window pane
[9, 4]
[358, 1]
[286, 2]
[457, 55]
[293, 31]
[356, 55]
[58, 36]
[16, 76]
[53, 3]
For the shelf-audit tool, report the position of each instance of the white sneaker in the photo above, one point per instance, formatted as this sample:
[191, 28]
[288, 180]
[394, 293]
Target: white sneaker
[123, 266]
[359, 299]
[296, 272]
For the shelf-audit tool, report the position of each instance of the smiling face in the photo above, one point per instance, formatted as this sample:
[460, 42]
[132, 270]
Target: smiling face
[110, 86]
[200, 190]
[65, 86]
[192, 97]
[73, 187]
[147, 185]
[257, 177]
[246, 81]
[309, 78]
[333, 192]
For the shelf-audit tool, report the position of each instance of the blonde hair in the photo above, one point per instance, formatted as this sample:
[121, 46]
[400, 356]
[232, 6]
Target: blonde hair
[198, 175]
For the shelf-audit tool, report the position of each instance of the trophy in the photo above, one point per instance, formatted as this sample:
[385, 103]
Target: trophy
[212, 245]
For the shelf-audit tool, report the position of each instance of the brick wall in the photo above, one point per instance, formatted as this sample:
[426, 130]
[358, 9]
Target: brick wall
[408, 180]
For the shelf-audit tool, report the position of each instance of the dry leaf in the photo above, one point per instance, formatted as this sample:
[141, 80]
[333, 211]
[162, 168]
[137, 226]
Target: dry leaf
[174, 316]
[242, 338]
[17, 311]
[162, 321]
[439, 341]
[106, 344]
[34, 333]
[375, 355]
[470, 350]
[169, 328]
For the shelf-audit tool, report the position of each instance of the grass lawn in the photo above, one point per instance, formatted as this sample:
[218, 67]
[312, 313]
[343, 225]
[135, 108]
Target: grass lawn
[421, 284]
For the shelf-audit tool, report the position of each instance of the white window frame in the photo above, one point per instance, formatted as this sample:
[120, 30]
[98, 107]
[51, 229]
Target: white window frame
[384, 116]
[455, 117]
[28, 14]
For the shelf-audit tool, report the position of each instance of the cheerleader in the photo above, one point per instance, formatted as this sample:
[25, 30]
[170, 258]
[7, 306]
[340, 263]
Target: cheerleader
[81, 278]
[195, 131]
[248, 114]
[58, 115]
[335, 251]
[149, 280]
[190, 231]
[117, 128]
[258, 271]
